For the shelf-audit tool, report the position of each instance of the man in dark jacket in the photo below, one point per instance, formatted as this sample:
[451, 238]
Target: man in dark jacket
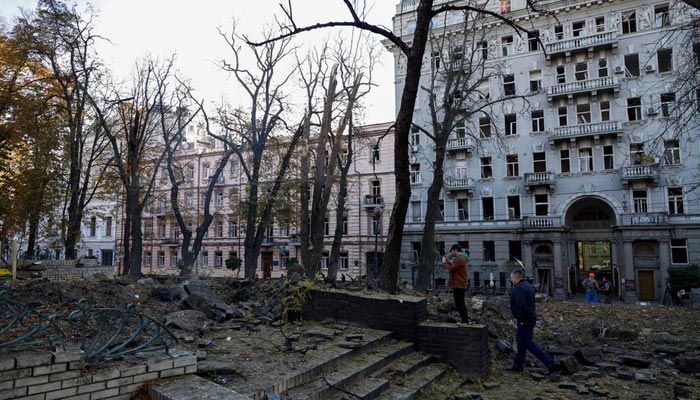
[458, 268]
[522, 305]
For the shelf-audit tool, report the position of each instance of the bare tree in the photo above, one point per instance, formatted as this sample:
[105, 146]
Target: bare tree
[414, 53]
[259, 136]
[133, 120]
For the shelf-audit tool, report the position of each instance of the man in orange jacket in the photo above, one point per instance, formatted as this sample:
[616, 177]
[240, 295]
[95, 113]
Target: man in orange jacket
[458, 268]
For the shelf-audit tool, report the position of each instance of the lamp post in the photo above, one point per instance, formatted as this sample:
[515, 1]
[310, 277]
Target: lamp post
[377, 219]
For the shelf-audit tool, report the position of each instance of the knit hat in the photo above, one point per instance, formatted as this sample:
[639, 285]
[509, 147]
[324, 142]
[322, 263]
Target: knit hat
[591, 275]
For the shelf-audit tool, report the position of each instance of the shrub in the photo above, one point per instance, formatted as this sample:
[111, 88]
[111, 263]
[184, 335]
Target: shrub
[684, 277]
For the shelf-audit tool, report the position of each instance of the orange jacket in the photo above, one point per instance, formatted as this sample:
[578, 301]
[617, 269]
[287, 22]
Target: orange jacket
[458, 272]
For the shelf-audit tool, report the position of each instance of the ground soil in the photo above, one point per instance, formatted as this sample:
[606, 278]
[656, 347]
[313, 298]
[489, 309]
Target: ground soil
[260, 350]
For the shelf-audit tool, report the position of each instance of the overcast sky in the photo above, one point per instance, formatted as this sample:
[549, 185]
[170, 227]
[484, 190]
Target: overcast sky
[188, 28]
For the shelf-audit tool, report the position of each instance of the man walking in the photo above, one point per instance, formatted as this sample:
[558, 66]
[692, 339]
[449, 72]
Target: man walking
[591, 286]
[458, 267]
[522, 305]
[607, 289]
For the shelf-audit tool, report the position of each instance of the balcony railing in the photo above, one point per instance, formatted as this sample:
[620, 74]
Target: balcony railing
[541, 222]
[588, 85]
[595, 128]
[658, 218]
[580, 42]
[460, 144]
[170, 242]
[457, 184]
[640, 173]
[372, 201]
[539, 178]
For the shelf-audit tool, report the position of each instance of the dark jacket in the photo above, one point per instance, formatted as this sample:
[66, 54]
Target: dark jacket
[522, 302]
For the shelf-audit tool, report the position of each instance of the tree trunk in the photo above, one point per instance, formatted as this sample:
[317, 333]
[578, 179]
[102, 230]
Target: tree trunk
[428, 250]
[126, 239]
[414, 62]
[136, 238]
[75, 213]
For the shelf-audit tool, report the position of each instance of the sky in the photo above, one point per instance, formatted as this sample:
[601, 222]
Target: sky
[189, 29]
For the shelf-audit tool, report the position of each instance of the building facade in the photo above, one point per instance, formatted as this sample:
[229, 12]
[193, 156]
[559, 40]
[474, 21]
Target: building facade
[370, 193]
[579, 169]
[98, 238]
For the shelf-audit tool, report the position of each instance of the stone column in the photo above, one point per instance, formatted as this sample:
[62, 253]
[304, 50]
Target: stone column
[527, 259]
[629, 288]
[664, 264]
[560, 272]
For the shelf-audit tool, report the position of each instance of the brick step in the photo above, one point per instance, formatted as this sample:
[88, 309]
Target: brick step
[191, 387]
[347, 373]
[410, 387]
[379, 382]
[315, 371]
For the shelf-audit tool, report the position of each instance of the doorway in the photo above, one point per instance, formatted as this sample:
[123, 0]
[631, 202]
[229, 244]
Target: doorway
[593, 256]
[646, 285]
[107, 257]
[266, 258]
[369, 258]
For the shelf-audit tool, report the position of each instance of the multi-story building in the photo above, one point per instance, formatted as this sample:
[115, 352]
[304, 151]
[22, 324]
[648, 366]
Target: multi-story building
[370, 193]
[98, 237]
[582, 172]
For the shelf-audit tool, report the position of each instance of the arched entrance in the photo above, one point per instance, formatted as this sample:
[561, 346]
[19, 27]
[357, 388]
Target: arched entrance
[590, 220]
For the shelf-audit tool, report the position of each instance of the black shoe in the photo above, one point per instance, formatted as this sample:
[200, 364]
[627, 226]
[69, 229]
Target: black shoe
[514, 369]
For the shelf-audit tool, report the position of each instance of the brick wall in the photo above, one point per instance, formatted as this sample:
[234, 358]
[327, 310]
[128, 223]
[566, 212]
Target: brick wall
[62, 273]
[43, 375]
[398, 314]
[464, 347]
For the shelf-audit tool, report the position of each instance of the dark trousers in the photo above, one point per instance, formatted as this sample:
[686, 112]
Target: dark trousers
[525, 343]
[459, 303]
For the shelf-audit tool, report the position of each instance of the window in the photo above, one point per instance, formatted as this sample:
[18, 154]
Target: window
[93, 226]
[487, 208]
[219, 229]
[219, 199]
[511, 125]
[486, 170]
[675, 200]
[672, 152]
[374, 154]
[376, 188]
[585, 159]
[512, 165]
[173, 259]
[441, 208]
[636, 153]
[457, 53]
[189, 199]
[218, 259]
[639, 198]
[148, 232]
[605, 111]
[375, 224]
[565, 161]
[541, 205]
[600, 24]
[345, 224]
[415, 174]
[679, 251]
[505, 6]
[583, 113]
[324, 260]
[513, 207]
[483, 49]
[163, 175]
[161, 258]
[284, 228]
[629, 22]
[485, 126]
[578, 28]
[326, 226]
[537, 117]
[234, 168]
[632, 65]
[664, 57]
[509, 85]
[539, 162]
[205, 171]
[563, 120]
[489, 251]
[189, 172]
[461, 129]
[634, 109]
[561, 74]
[668, 101]
[535, 81]
[533, 42]
[343, 261]
[269, 234]
[148, 259]
[515, 250]
[435, 60]
[581, 71]
[661, 18]
[161, 231]
[558, 32]
[463, 209]
[415, 136]
[108, 226]
[602, 67]
[608, 160]
[507, 48]
[416, 210]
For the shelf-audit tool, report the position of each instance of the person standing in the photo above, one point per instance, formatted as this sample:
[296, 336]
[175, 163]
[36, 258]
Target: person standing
[607, 289]
[522, 305]
[458, 267]
[592, 287]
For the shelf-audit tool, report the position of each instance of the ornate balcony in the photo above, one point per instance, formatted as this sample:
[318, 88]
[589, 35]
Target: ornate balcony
[640, 173]
[460, 144]
[543, 222]
[459, 184]
[581, 43]
[533, 179]
[373, 201]
[595, 129]
[592, 86]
